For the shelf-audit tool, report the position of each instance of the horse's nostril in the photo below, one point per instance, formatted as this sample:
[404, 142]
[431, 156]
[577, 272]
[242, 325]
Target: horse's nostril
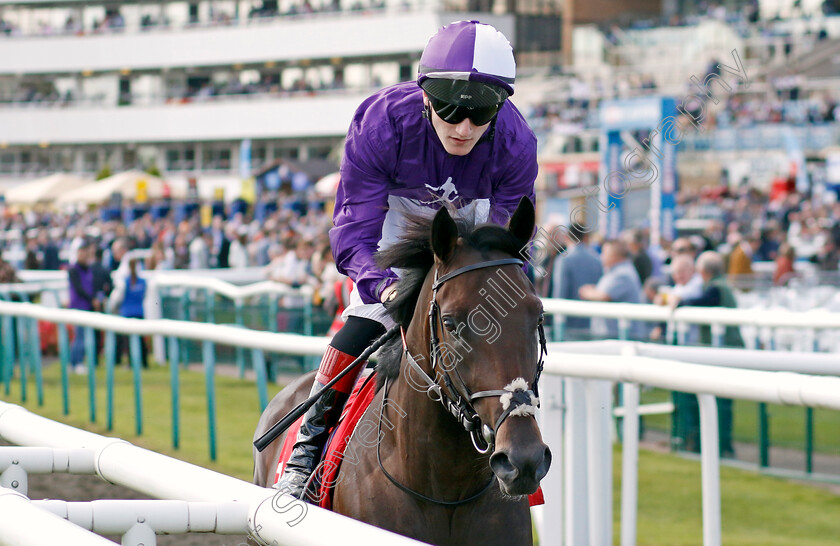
[503, 468]
[545, 464]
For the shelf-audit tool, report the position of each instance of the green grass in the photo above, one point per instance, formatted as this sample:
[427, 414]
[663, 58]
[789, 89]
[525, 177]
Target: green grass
[237, 412]
[787, 423]
[757, 509]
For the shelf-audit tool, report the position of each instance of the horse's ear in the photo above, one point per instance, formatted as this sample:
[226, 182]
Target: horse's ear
[523, 221]
[444, 235]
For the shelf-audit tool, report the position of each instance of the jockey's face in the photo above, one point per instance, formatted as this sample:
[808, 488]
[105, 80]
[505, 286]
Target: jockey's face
[457, 138]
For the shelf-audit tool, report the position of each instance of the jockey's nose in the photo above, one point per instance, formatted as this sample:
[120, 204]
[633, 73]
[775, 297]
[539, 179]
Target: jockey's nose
[465, 128]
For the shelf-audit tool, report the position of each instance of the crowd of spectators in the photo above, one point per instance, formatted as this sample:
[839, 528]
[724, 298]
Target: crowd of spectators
[741, 228]
[698, 270]
[575, 104]
[292, 247]
[628, 270]
[8, 28]
[751, 224]
[45, 94]
[104, 259]
[51, 241]
[113, 21]
[744, 226]
[744, 110]
[266, 86]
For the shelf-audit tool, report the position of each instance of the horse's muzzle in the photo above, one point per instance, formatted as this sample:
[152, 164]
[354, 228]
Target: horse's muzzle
[520, 470]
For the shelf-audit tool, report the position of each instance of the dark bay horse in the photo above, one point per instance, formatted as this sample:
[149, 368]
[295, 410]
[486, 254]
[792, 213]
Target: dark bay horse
[470, 359]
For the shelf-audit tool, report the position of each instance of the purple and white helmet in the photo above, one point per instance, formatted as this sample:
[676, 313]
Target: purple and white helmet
[468, 63]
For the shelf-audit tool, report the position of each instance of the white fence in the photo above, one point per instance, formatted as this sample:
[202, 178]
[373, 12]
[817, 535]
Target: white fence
[263, 513]
[774, 328]
[577, 408]
[576, 418]
[217, 333]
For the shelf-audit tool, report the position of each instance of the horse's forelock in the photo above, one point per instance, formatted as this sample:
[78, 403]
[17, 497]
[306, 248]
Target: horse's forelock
[413, 254]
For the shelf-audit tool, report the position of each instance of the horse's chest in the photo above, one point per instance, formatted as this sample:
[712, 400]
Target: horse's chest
[384, 506]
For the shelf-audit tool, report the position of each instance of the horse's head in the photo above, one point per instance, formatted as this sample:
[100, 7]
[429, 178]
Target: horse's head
[479, 323]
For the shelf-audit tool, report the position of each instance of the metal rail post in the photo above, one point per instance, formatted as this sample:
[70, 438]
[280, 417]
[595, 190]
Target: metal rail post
[90, 350]
[710, 462]
[35, 361]
[258, 358]
[135, 355]
[240, 352]
[210, 385]
[110, 363]
[174, 382]
[64, 362]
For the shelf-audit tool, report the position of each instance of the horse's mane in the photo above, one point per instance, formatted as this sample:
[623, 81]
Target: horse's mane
[413, 255]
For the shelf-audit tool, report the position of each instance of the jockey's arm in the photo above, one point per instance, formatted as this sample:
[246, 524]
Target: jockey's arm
[517, 181]
[360, 209]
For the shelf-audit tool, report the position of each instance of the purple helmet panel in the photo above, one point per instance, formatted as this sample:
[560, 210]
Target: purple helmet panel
[446, 51]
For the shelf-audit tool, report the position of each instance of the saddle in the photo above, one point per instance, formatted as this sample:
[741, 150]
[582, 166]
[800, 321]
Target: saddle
[328, 472]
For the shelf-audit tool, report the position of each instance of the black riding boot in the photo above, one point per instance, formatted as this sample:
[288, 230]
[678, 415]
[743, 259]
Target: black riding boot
[349, 342]
[311, 439]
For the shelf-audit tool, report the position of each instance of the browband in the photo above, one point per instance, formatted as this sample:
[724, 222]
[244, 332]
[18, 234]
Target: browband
[473, 267]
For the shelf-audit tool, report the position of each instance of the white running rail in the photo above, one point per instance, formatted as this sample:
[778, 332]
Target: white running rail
[264, 513]
[581, 425]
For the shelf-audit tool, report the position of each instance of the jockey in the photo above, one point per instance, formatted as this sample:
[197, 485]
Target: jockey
[450, 138]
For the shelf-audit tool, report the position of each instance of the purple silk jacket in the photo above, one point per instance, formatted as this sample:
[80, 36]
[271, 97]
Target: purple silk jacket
[394, 163]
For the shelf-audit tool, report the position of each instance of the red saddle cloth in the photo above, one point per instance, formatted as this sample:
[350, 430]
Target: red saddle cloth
[328, 474]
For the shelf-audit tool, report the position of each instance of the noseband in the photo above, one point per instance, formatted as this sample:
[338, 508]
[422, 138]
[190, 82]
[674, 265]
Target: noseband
[459, 401]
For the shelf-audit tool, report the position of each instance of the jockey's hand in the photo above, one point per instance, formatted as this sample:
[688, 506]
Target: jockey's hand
[292, 483]
[388, 294]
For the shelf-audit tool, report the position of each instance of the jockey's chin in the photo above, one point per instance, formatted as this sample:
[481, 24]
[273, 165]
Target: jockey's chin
[458, 138]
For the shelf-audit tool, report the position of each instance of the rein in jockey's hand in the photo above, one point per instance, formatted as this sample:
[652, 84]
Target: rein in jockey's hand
[388, 294]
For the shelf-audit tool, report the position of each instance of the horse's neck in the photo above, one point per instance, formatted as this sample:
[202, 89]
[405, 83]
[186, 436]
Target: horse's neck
[441, 461]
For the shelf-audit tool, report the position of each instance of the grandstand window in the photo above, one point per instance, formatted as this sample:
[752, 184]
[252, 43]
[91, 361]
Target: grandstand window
[26, 161]
[319, 152]
[90, 161]
[7, 162]
[44, 161]
[286, 153]
[173, 160]
[189, 159]
[216, 159]
[66, 159]
[129, 159]
[259, 156]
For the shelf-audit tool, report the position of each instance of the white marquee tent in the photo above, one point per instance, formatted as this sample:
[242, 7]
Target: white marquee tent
[125, 183]
[44, 190]
[328, 185]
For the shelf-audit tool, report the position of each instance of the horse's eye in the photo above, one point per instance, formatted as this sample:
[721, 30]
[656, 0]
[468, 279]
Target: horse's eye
[449, 323]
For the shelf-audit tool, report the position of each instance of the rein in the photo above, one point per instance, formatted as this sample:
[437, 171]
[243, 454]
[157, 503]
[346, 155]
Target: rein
[405, 489]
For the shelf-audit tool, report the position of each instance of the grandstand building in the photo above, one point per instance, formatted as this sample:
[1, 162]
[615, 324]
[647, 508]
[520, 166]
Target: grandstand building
[214, 89]
[177, 87]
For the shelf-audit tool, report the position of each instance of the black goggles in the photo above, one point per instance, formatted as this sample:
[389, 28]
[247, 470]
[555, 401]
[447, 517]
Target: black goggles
[451, 113]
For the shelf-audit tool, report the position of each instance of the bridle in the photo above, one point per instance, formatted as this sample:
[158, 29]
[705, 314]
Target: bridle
[459, 401]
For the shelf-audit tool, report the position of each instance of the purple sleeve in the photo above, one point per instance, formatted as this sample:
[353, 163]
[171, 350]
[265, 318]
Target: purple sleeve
[516, 181]
[360, 207]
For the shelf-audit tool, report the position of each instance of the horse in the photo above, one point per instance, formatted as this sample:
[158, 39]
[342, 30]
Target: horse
[472, 348]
